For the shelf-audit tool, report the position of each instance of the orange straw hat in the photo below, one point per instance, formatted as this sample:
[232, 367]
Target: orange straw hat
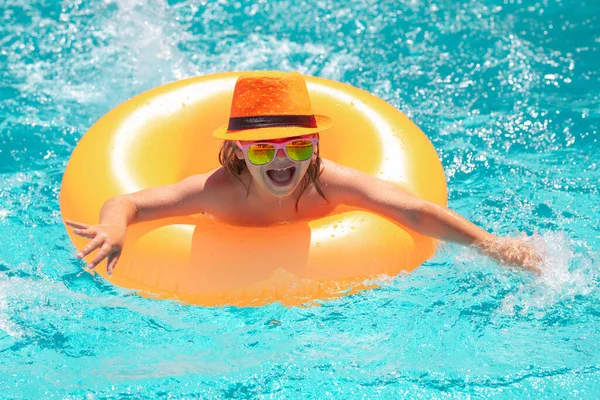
[271, 105]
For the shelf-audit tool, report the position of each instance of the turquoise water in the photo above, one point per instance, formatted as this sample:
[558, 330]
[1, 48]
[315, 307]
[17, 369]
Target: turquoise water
[506, 90]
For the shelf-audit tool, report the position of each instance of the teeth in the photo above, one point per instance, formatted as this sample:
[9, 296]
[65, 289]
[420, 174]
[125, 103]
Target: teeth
[281, 169]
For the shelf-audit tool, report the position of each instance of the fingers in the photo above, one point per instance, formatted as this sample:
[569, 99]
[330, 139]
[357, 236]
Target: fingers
[534, 264]
[527, 257]
[100, 241]
[81, 229]
[86, 233]
[75, 224]
[103, 252]
[532, 259]
[530, 265]
[514, 252]
[95, 243]
[112, 261]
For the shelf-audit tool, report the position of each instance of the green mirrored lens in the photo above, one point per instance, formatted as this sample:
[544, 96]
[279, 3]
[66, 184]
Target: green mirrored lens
[299, 150]
[260, 154]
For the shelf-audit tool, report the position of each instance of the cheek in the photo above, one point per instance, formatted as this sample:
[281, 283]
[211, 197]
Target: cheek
[254, 170]
[304, 168]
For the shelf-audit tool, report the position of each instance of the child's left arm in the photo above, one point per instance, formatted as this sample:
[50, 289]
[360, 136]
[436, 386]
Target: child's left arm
[355, 188]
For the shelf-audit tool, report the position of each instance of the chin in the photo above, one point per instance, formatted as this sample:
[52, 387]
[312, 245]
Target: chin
[280, 191]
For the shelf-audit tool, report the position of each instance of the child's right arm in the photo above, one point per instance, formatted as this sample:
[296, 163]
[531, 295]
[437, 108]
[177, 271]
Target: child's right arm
[108, 236]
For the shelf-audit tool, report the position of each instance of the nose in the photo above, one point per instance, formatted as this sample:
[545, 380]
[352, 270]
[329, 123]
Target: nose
[280, 153]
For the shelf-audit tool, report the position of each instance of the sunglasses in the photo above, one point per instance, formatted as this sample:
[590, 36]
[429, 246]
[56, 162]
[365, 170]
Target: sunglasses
[263, 153]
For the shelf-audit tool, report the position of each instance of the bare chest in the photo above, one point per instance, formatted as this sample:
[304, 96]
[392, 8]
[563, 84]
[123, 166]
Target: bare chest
[251, 212]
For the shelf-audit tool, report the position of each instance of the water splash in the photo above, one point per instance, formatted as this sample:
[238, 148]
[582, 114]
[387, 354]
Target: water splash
[6, 325]
[570, 269]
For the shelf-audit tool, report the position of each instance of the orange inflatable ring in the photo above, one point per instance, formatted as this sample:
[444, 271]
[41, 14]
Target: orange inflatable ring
[163, 135]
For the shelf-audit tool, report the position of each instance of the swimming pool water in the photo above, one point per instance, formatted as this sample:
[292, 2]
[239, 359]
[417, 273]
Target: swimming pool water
[507, 91]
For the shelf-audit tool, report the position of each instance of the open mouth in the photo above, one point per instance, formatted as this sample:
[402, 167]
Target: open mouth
[281, 176]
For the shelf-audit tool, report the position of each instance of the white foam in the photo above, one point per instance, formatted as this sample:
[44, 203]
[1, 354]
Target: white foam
[3, 214]
[6, 325]
[565, 273]
[569, 269]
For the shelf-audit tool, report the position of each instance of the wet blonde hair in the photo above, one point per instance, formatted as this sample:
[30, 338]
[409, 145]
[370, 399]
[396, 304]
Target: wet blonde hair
[235, 166]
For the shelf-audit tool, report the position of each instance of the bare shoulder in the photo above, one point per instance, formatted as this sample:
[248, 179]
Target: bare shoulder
[212, 185]
[342, 184]
[338, 177]
[217, 177]
[346, 185]
[338, 174]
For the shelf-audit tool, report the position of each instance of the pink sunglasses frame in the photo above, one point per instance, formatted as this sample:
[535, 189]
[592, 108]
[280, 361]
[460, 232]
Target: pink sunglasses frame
[278, 146]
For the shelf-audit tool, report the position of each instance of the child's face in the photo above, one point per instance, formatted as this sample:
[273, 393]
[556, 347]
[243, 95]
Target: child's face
[282, 175]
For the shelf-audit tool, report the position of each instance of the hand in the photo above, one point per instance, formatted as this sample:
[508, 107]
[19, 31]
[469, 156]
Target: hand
[107, 239]
[513, 252]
